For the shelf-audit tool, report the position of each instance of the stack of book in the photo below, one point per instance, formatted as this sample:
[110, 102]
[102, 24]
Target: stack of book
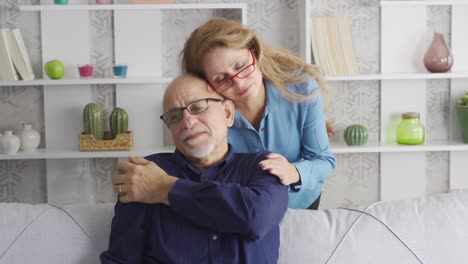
[14, 59]
[332, 46]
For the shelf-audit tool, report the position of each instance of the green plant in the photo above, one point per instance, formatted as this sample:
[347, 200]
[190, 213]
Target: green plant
[463, 101]
[355, 135]
[118, 121]
[93, 121]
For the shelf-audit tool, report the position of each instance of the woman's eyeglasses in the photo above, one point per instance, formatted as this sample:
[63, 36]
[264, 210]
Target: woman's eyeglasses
[242, 74]
[194, 108]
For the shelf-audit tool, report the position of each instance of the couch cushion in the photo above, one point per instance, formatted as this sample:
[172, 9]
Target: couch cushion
[47, 234]
[433, 229]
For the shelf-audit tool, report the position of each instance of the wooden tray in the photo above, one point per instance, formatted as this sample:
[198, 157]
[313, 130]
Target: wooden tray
[87, 142]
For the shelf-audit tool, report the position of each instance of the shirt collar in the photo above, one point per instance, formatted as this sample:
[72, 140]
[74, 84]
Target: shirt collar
[272, 98]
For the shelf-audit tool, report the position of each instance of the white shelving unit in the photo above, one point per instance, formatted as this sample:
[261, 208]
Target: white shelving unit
[65, 28]
[373, 147]
[86, 7]
[397, 76]
[403, 88]
[43, 153]
[337, 148]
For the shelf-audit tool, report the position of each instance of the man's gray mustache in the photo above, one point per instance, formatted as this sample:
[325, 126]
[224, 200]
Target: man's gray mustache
[191, 132]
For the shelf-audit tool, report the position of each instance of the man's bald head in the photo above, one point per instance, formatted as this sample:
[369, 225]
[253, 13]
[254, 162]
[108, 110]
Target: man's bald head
[187, 86]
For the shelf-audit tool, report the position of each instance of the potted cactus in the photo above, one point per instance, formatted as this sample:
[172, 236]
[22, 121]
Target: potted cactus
[94, 138]
[462, 111]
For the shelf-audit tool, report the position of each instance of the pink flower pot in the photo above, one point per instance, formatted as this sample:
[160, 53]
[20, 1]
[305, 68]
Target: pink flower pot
[86, 71]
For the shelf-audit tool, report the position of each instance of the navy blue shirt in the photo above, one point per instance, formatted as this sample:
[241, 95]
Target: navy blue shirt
[228, 214]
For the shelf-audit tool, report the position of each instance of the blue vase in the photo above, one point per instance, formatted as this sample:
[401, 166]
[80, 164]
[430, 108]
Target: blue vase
[120, 70]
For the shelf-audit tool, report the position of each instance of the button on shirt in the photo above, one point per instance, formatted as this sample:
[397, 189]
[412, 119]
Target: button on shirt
[231, 217]
[295, 130]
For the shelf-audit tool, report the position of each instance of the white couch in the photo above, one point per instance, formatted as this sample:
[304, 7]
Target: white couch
[426, 230]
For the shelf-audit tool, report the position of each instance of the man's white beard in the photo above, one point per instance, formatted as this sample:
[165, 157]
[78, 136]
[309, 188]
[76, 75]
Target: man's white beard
[201, 151]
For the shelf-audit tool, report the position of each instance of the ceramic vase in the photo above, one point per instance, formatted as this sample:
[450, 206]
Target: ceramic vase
[29, 138]
[93, 120]
[438, 57]
[118, 121]
[9, 143]
[355, 135]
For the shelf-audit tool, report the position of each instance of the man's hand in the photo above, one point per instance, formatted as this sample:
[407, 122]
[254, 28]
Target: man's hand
[141, 180]
[279, 166]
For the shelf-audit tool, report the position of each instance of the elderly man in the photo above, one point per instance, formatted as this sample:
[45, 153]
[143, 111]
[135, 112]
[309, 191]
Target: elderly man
[201, 204]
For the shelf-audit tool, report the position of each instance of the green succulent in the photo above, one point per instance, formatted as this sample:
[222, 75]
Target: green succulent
[463, 101]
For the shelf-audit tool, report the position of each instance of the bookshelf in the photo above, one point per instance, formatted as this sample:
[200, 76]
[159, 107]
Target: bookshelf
[403, 85]
[66, 28]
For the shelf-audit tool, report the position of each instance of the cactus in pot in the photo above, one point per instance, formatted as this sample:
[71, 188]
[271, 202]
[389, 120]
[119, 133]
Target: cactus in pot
[93, 120]
[463, 101]
[118, 121]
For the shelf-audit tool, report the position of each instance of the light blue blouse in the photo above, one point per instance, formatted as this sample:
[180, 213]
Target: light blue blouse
[295, 130]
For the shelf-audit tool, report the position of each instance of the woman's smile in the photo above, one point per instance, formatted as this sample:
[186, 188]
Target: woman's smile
[244, 91]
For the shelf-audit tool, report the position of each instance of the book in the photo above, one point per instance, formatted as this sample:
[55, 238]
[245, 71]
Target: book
[335, 47]
[314, 41]
[332, 46]
[7, 70]
[320, 39]
[19, 55]
[352, 65]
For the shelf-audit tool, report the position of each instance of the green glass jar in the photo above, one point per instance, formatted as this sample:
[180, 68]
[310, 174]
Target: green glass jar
[410, 131]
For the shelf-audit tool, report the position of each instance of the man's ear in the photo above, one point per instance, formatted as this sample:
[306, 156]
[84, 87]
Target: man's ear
[229, 109]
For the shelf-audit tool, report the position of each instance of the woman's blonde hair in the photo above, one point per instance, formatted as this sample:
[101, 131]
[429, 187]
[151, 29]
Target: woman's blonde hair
[278, 66]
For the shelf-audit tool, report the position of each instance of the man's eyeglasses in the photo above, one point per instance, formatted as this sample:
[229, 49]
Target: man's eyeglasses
[242, 74]
[194, 108]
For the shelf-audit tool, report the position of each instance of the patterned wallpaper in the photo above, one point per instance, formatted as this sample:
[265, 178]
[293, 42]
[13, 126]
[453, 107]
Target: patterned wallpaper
[356, 181]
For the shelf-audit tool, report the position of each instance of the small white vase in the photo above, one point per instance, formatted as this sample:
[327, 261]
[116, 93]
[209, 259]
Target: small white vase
[29, 138]
[9, 143]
